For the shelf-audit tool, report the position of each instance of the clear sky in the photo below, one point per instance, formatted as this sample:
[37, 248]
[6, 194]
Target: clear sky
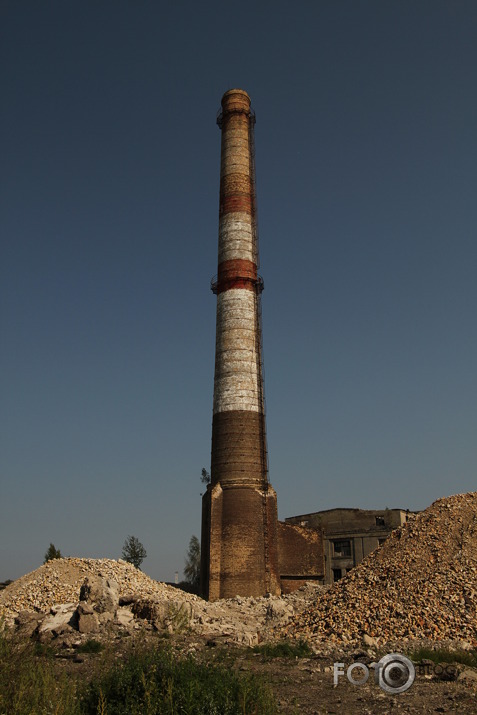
[366, 142]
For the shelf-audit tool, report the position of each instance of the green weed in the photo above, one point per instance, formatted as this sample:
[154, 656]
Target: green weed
[155, 682]
[445, 655]
[90, 646]
[284, 649]
[30, 684]
[149, 681]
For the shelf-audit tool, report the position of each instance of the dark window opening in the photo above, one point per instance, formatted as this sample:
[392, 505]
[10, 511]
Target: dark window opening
[379, 521]
[336, 574]
[342, 548]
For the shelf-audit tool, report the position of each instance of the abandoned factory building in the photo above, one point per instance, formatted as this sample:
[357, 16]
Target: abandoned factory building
[348, 535]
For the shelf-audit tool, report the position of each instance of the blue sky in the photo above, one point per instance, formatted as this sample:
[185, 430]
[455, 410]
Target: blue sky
[366, 172]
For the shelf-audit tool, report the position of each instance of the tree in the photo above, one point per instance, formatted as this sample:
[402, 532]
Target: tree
[133, 551]
[52, 553]
[192, 562]
[205, 478]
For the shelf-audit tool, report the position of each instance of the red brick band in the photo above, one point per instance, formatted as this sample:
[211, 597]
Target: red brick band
[237, 268]
[234, 203]
[236, 273]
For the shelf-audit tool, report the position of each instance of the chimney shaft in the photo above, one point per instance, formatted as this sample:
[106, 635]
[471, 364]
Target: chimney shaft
[239, 453]
[239, 530]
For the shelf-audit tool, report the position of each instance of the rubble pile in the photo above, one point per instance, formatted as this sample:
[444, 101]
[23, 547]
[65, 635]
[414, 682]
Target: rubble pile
[420, 584]
[73, 598]
[248, 620]
[59, 582]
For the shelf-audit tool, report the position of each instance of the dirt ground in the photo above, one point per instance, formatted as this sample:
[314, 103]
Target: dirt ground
[302, 687]
[305, 685]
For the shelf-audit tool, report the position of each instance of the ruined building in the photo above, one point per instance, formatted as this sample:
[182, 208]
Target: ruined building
[350, 534]
[245, 550]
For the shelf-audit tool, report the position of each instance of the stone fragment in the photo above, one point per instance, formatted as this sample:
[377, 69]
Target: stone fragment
[126, 599]
[248, 638]
[105, 618]
[468, 676]
[102, 593]
[63, 615]
[27, 622]
[170, 615]
[124, 616]
[85, 609]
[88, 623]
[279, 611]
[369, 641]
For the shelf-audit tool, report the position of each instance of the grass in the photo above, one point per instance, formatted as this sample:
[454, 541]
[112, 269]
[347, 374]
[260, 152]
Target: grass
[90, 646]
[148, 681]
[30, 684]
[155, 681]
[445, 655]
[284, 649]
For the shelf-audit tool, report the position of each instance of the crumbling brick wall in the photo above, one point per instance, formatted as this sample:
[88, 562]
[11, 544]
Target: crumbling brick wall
[300, 555]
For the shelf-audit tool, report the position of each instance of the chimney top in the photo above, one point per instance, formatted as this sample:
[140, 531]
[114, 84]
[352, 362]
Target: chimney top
[236, 99]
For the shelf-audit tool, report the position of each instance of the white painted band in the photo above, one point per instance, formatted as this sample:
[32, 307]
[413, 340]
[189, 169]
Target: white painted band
[236, 363]
[235, 237]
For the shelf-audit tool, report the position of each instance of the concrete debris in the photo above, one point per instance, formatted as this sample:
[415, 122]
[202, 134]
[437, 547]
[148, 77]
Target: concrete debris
[61, 616]
[102, 593]
[468, 676]
[420, 584]
[88, 622]
[115, 595]
[27, 622]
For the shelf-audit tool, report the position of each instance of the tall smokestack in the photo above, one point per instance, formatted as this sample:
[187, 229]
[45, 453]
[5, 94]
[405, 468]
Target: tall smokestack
[239, 518]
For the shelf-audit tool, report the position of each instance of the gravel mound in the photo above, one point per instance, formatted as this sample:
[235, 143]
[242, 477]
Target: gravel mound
[59, 581]
[421, 584]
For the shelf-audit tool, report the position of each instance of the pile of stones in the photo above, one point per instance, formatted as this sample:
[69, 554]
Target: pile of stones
[421, 584]
[76, 599]
[59, 582]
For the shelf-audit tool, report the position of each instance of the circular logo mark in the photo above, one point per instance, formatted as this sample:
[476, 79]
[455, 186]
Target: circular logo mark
[396, 673]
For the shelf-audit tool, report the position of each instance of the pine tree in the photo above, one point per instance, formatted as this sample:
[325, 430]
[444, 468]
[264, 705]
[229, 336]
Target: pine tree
[133, 551]
[52, 553]
[192, 562]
